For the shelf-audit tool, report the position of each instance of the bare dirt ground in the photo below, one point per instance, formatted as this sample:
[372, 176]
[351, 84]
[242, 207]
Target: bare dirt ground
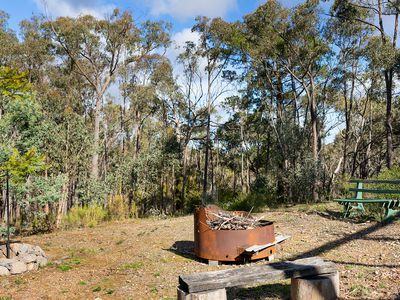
[141, 259]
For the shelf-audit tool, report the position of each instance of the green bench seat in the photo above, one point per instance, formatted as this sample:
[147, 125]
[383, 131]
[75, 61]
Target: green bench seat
[357, 203]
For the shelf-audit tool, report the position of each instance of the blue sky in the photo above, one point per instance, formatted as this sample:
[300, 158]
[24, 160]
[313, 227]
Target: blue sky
[180, 13]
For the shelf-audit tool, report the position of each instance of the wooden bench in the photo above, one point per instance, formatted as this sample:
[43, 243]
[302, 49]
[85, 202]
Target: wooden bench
[311, 277]
[357, 203]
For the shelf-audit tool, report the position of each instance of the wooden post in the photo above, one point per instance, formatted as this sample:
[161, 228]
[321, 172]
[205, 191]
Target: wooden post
[207, 295]
[322, 287]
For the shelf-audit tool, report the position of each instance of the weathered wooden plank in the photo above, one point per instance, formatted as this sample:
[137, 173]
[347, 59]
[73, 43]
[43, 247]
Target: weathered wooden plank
[375, 181]
[255, 274]
[372, 191]
[257, 248]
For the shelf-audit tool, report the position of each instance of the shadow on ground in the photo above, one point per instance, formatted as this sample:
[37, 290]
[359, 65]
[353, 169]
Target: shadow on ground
[184, 249]
[274, 290]
[337, 215]
[341, 241]
[279, 290]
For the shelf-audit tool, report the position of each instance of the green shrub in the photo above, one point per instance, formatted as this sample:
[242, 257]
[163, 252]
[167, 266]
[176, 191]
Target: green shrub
[42, 222]
[87, 216]
[247, 202]
[3, 231]
[118, 207]
[193, 200]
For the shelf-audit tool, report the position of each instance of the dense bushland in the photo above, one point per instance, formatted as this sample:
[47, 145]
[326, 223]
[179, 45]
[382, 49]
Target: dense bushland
[281, 107]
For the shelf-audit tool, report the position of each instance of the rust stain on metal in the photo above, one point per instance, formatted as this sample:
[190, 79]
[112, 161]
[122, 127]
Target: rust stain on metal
[229, 245]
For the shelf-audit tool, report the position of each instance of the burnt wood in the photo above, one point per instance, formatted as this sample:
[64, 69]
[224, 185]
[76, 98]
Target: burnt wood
[214, 280]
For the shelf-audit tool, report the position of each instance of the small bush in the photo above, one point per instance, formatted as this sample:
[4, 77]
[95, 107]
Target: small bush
[247, 202]
[117, 207]
[42, 222]
[88, 216]
[3, 231]
[193, 200]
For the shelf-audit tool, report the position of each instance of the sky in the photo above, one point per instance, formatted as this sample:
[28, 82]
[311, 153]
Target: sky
[180, 13]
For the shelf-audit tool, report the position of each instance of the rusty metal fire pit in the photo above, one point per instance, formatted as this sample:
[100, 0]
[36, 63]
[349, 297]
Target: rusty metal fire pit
[231, 245]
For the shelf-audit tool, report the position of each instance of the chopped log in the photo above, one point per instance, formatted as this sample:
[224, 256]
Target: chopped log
[255, 274]
[322, 287]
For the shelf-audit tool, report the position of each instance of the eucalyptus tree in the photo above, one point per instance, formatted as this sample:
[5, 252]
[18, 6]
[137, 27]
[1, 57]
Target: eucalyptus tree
[8, 41]
[350, 37]
[384, 47]
[191, 116]
[99, 48]
[213, 49]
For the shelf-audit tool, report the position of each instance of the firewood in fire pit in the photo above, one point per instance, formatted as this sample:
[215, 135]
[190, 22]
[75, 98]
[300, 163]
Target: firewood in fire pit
[223, 220]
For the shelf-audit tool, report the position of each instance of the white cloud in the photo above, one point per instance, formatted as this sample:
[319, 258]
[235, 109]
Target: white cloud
[179, 41]
[185, 9]
[74, 8]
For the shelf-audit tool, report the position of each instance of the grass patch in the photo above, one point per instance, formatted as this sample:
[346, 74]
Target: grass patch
[359, 290]
[382, 285]
[82, 283]
[96, 289]
[64, 268]
[132, 266]
[19, 281]
[157, 274]
[109, 291]
[75, 261]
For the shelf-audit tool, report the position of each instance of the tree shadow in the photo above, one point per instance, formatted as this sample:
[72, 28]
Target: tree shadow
[338, 216]
[273, 290]
[184, 249]
[266, 276]
[344, 240]
[364, 265]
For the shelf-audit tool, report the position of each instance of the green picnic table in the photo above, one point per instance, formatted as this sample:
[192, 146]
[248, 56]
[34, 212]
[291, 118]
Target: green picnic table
[391, 205]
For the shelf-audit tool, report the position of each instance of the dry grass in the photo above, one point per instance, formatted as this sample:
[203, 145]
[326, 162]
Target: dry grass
[136, 259]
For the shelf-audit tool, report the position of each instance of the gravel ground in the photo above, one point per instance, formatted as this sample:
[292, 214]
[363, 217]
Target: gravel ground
[142, 259]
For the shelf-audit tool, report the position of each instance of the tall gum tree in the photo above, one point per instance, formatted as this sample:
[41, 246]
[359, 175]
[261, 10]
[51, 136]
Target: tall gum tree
[212, 48]
[99, 49]
[372, 13]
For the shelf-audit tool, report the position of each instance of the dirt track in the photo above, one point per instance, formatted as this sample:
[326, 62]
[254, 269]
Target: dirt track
[141, 259]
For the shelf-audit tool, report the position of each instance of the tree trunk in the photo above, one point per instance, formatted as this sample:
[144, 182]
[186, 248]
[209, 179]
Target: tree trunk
[96, 139]
[314, 139]
[184, 173]
[206, 158]
[62, 204]
[389, 117]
